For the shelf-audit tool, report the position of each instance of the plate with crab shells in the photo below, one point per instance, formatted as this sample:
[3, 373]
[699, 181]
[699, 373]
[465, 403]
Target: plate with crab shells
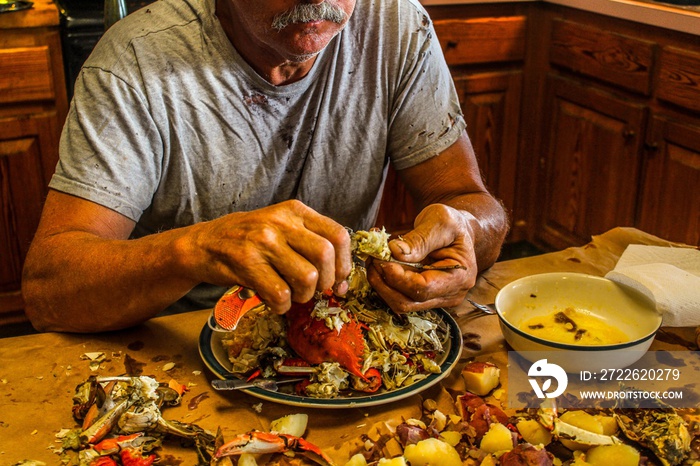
[215, 358]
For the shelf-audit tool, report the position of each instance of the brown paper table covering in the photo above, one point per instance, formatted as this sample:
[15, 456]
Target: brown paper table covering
[38, 373]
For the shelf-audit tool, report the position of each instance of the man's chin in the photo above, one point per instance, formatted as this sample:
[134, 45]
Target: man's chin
[301, 58]
[309, 40]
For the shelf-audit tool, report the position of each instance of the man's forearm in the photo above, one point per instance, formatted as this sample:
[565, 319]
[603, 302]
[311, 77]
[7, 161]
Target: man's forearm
[79, 282]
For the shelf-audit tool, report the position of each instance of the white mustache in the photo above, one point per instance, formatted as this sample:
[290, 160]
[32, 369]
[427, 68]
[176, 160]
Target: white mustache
[305, 13]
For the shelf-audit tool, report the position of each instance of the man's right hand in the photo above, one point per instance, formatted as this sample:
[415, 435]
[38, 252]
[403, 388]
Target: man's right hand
[285, 252]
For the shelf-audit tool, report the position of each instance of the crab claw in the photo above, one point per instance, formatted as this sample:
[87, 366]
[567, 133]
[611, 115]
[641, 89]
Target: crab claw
[257, 442]
[370, 383]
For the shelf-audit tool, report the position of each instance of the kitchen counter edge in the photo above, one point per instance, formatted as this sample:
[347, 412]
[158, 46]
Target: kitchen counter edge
[669, 17]
[44, 13]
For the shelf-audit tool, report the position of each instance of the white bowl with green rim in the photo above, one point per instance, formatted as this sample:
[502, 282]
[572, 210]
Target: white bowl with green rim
[616, 305]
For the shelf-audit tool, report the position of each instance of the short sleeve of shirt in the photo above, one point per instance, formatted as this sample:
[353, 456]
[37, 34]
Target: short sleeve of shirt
[425, 118]
[109, 117]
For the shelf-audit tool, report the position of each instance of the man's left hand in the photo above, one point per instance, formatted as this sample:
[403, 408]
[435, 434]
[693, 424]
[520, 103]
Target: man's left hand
[441, 237]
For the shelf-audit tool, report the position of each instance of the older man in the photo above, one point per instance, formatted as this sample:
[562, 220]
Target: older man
[212, 143]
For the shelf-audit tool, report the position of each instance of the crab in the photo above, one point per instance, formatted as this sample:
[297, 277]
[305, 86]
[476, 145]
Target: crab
[313, 340]
[658, 428]
[354, 341]
[257, 442]
[129, 406]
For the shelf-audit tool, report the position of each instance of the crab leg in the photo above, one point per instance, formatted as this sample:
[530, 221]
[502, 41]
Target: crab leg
[254, 443]
[104, 425]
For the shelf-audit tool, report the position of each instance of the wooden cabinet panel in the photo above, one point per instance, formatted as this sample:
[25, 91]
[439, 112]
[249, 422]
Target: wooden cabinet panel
[23, 187]
[591, 163]
[482, 40]
[25, 74]
[33, 107]
[604, 55]
[679, 78]
[670, 201]
[397, 210]
[491, 105]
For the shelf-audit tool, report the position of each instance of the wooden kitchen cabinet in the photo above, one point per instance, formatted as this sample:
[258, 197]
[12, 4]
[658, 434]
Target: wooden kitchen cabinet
[591, 163]
[620, 136]
[669, 205]
[33, 107]
[485, 53]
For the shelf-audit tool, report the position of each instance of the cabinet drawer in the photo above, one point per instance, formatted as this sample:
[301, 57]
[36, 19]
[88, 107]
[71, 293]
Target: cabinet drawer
[679, 78]
[613, 58]
[25, 74]
[482, 40]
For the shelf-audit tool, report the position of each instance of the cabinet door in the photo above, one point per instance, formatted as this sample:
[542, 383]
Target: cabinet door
[491, 106]
[27, 156]
[591, 163]
[670, 200]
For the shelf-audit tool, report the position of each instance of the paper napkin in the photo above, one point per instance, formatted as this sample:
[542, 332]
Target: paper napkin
[667, 275]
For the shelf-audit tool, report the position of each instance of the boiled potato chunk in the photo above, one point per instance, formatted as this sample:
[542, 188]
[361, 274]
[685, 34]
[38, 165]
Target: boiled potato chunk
[618, 455]
[432, 452]
[582, 420]
[291, 424]
[580, 459]
[357, 460]
[481, 377]
[609, 424]
[488, 461]
[398, 461]
[498, 438]
[451, 437]
[533, 432]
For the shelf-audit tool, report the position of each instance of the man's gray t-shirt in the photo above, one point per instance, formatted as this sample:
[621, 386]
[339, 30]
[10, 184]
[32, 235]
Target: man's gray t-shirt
[169, 126]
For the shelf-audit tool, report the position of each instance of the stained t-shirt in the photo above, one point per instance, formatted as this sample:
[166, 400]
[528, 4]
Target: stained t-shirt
[169, 126]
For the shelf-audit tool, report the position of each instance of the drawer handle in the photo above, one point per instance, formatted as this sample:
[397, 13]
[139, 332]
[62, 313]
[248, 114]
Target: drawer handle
[651, 146]
[629, 134]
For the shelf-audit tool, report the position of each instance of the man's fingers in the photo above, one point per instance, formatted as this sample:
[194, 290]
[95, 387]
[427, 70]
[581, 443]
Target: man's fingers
[272, 289]
[414, 290]
[338, 237]
[433, 231]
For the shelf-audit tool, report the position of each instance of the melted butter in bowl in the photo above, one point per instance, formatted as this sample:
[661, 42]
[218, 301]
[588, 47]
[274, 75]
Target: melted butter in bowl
[574, 327]
[579, 321]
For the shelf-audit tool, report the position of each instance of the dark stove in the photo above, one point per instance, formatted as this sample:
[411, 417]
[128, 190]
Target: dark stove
[82, 25]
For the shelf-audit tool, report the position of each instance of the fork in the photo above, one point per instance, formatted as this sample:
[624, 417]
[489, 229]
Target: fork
[418, 265]
[480, 310]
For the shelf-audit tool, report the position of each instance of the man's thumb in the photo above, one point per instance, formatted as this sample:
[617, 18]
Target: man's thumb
[411, 247]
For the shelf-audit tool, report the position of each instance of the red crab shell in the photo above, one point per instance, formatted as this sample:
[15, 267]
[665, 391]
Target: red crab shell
[313, 341]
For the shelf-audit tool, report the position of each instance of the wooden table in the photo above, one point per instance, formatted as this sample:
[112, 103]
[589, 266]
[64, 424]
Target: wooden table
[38, 373]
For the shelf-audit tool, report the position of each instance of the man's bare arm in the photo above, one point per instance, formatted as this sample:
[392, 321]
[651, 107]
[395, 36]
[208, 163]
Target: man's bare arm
[82, 274]
[460, 224]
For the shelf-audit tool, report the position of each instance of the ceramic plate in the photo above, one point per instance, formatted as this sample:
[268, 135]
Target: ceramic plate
[214, 356]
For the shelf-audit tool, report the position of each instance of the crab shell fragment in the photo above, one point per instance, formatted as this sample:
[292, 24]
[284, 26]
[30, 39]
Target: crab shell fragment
[311, 339]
